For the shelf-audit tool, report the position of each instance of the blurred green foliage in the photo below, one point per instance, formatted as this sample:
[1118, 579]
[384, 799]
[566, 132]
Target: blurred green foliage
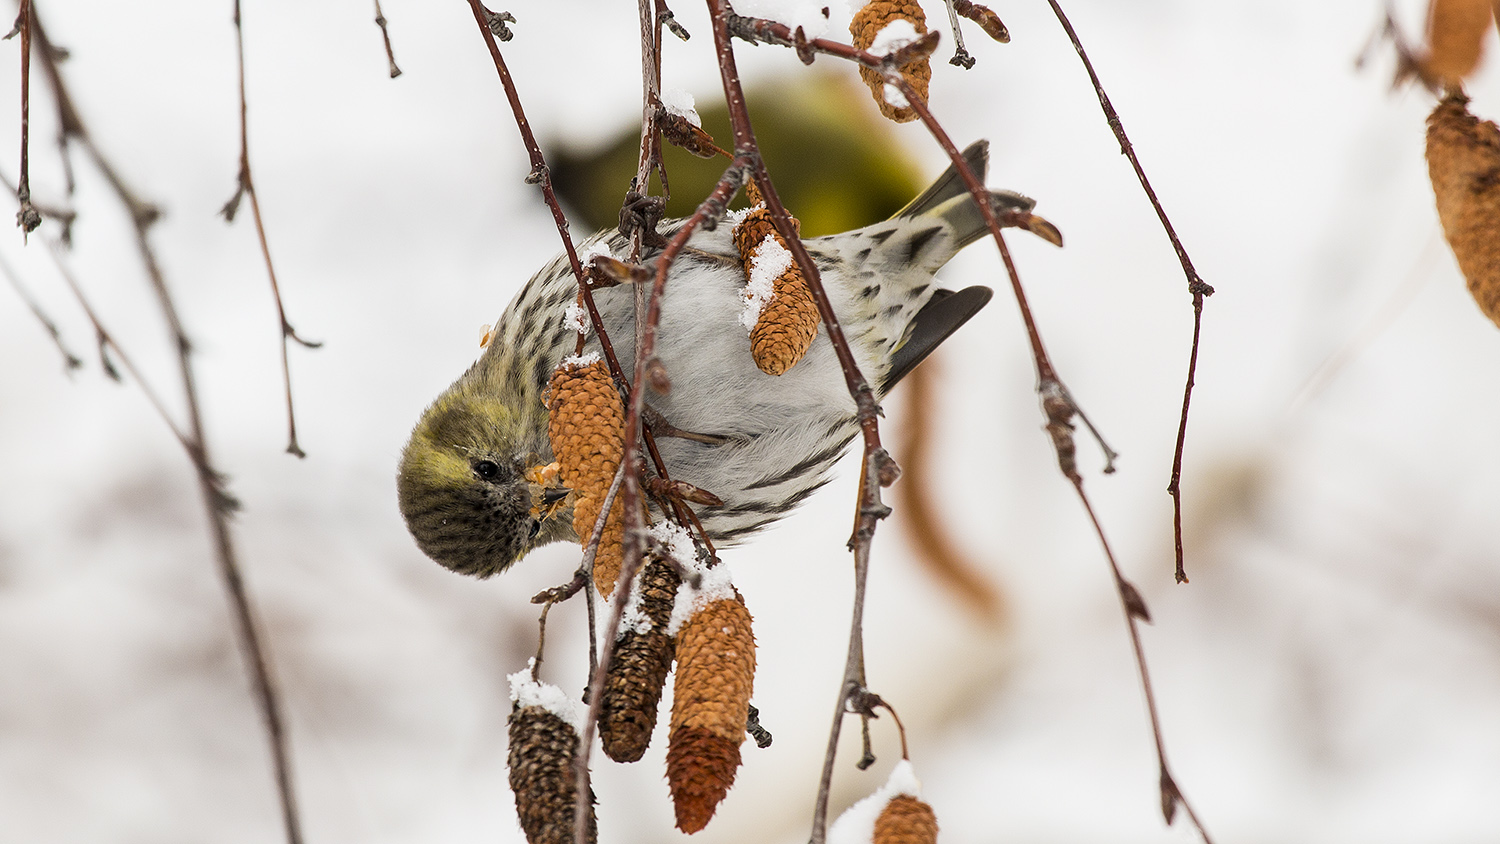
[835, 162]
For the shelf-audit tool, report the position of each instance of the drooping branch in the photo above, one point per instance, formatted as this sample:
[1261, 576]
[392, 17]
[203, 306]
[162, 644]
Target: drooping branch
[217, 502]
[245, 186]
[1197, 287]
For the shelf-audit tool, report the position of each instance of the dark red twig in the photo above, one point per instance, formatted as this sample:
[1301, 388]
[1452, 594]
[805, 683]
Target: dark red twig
[28, 218]
[385, 35]
[1196, 285]
[217, 502]
[878, 469]
[1060, 408]
[245, 186]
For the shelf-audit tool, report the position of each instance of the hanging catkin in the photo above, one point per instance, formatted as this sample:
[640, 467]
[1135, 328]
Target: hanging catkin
[586, 424]
[866, 25]
[711, 703]
[1463, 160]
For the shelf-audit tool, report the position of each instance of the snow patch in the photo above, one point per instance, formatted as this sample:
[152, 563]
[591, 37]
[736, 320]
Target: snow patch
[580, 361]
[681, 103]
[769, 260]
[524, 691]
[893, 36]
[576, 318]
[857, 824]
[714, 584]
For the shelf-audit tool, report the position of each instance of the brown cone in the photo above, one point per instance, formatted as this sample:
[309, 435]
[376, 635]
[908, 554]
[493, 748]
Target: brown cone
[906, 820]
[586, 424]
[1463, 160]
[638, 672]
[700, 769]
[866, 24]
[711, 703]
[787, 324]
[541, 776]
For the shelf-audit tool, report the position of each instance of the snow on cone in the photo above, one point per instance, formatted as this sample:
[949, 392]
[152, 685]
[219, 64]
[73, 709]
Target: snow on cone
[586, 425]
[715, 675]
[779, 308]
[894, 814]
[1455, 38]
[543, 741]
[1463, 160]
[880, 26]
[638, 672]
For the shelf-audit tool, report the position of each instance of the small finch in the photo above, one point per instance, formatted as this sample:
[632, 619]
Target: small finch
[761, 443]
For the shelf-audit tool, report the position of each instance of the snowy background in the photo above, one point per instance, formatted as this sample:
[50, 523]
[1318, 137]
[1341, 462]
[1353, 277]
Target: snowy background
[1331, 674]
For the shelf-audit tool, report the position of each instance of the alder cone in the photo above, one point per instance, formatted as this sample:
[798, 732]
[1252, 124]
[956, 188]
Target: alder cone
[586, 426]
[711, 703]
[1455, 38]
[787, 325]
[638, 671]
[905, 820]
[1463, 160]
[867, 23]
[700, 769]
[542, 746]
[788, 322]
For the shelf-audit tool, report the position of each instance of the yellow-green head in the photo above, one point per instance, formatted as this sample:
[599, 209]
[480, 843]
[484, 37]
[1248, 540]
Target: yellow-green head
[463, 486]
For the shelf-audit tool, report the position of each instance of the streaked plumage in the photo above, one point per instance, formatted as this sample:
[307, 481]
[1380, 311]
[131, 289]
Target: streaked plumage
[460, 484]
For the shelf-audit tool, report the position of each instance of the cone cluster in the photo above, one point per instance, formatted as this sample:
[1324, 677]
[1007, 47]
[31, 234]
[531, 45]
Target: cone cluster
[1463, 161]
[638, 672]
[905, 820]
[586, 425]
[788, 321]
[542, 746]
[715, 674]
[866, 25]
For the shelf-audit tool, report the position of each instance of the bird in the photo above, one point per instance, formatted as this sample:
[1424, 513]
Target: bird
[761, 443]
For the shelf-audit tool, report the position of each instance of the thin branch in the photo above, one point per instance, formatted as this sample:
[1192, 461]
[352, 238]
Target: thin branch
[217, 503]
[246, 187]
[1196, 285]
[385, 35]
[70, 360]
[1135, 612]
[598, 667]
[27, 218]
[961, 57]
[1059, 408]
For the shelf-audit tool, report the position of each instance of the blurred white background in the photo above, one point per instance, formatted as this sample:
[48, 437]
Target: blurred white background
[1331, 674]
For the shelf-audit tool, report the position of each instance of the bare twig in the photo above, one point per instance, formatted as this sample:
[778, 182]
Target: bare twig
[217, 503]
[598, 662]
[385, 35]
[961, 57]
[877, 468]
[70, 360]
[1197, 287]
[246, 187]
[1059, 408]
[28, 218]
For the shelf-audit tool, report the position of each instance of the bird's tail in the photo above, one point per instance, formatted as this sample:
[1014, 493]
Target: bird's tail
[948, 199]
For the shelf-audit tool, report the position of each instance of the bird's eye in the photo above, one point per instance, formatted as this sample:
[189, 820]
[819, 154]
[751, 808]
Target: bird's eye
[536, 528]
[487, 469]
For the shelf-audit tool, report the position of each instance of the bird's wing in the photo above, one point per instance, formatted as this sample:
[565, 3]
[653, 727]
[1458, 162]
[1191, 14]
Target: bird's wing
[940, 317]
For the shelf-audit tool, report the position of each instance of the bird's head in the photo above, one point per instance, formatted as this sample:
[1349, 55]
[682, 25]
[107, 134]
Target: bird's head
[464, 486]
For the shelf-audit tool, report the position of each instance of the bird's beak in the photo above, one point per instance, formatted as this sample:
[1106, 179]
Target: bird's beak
[552, 495]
